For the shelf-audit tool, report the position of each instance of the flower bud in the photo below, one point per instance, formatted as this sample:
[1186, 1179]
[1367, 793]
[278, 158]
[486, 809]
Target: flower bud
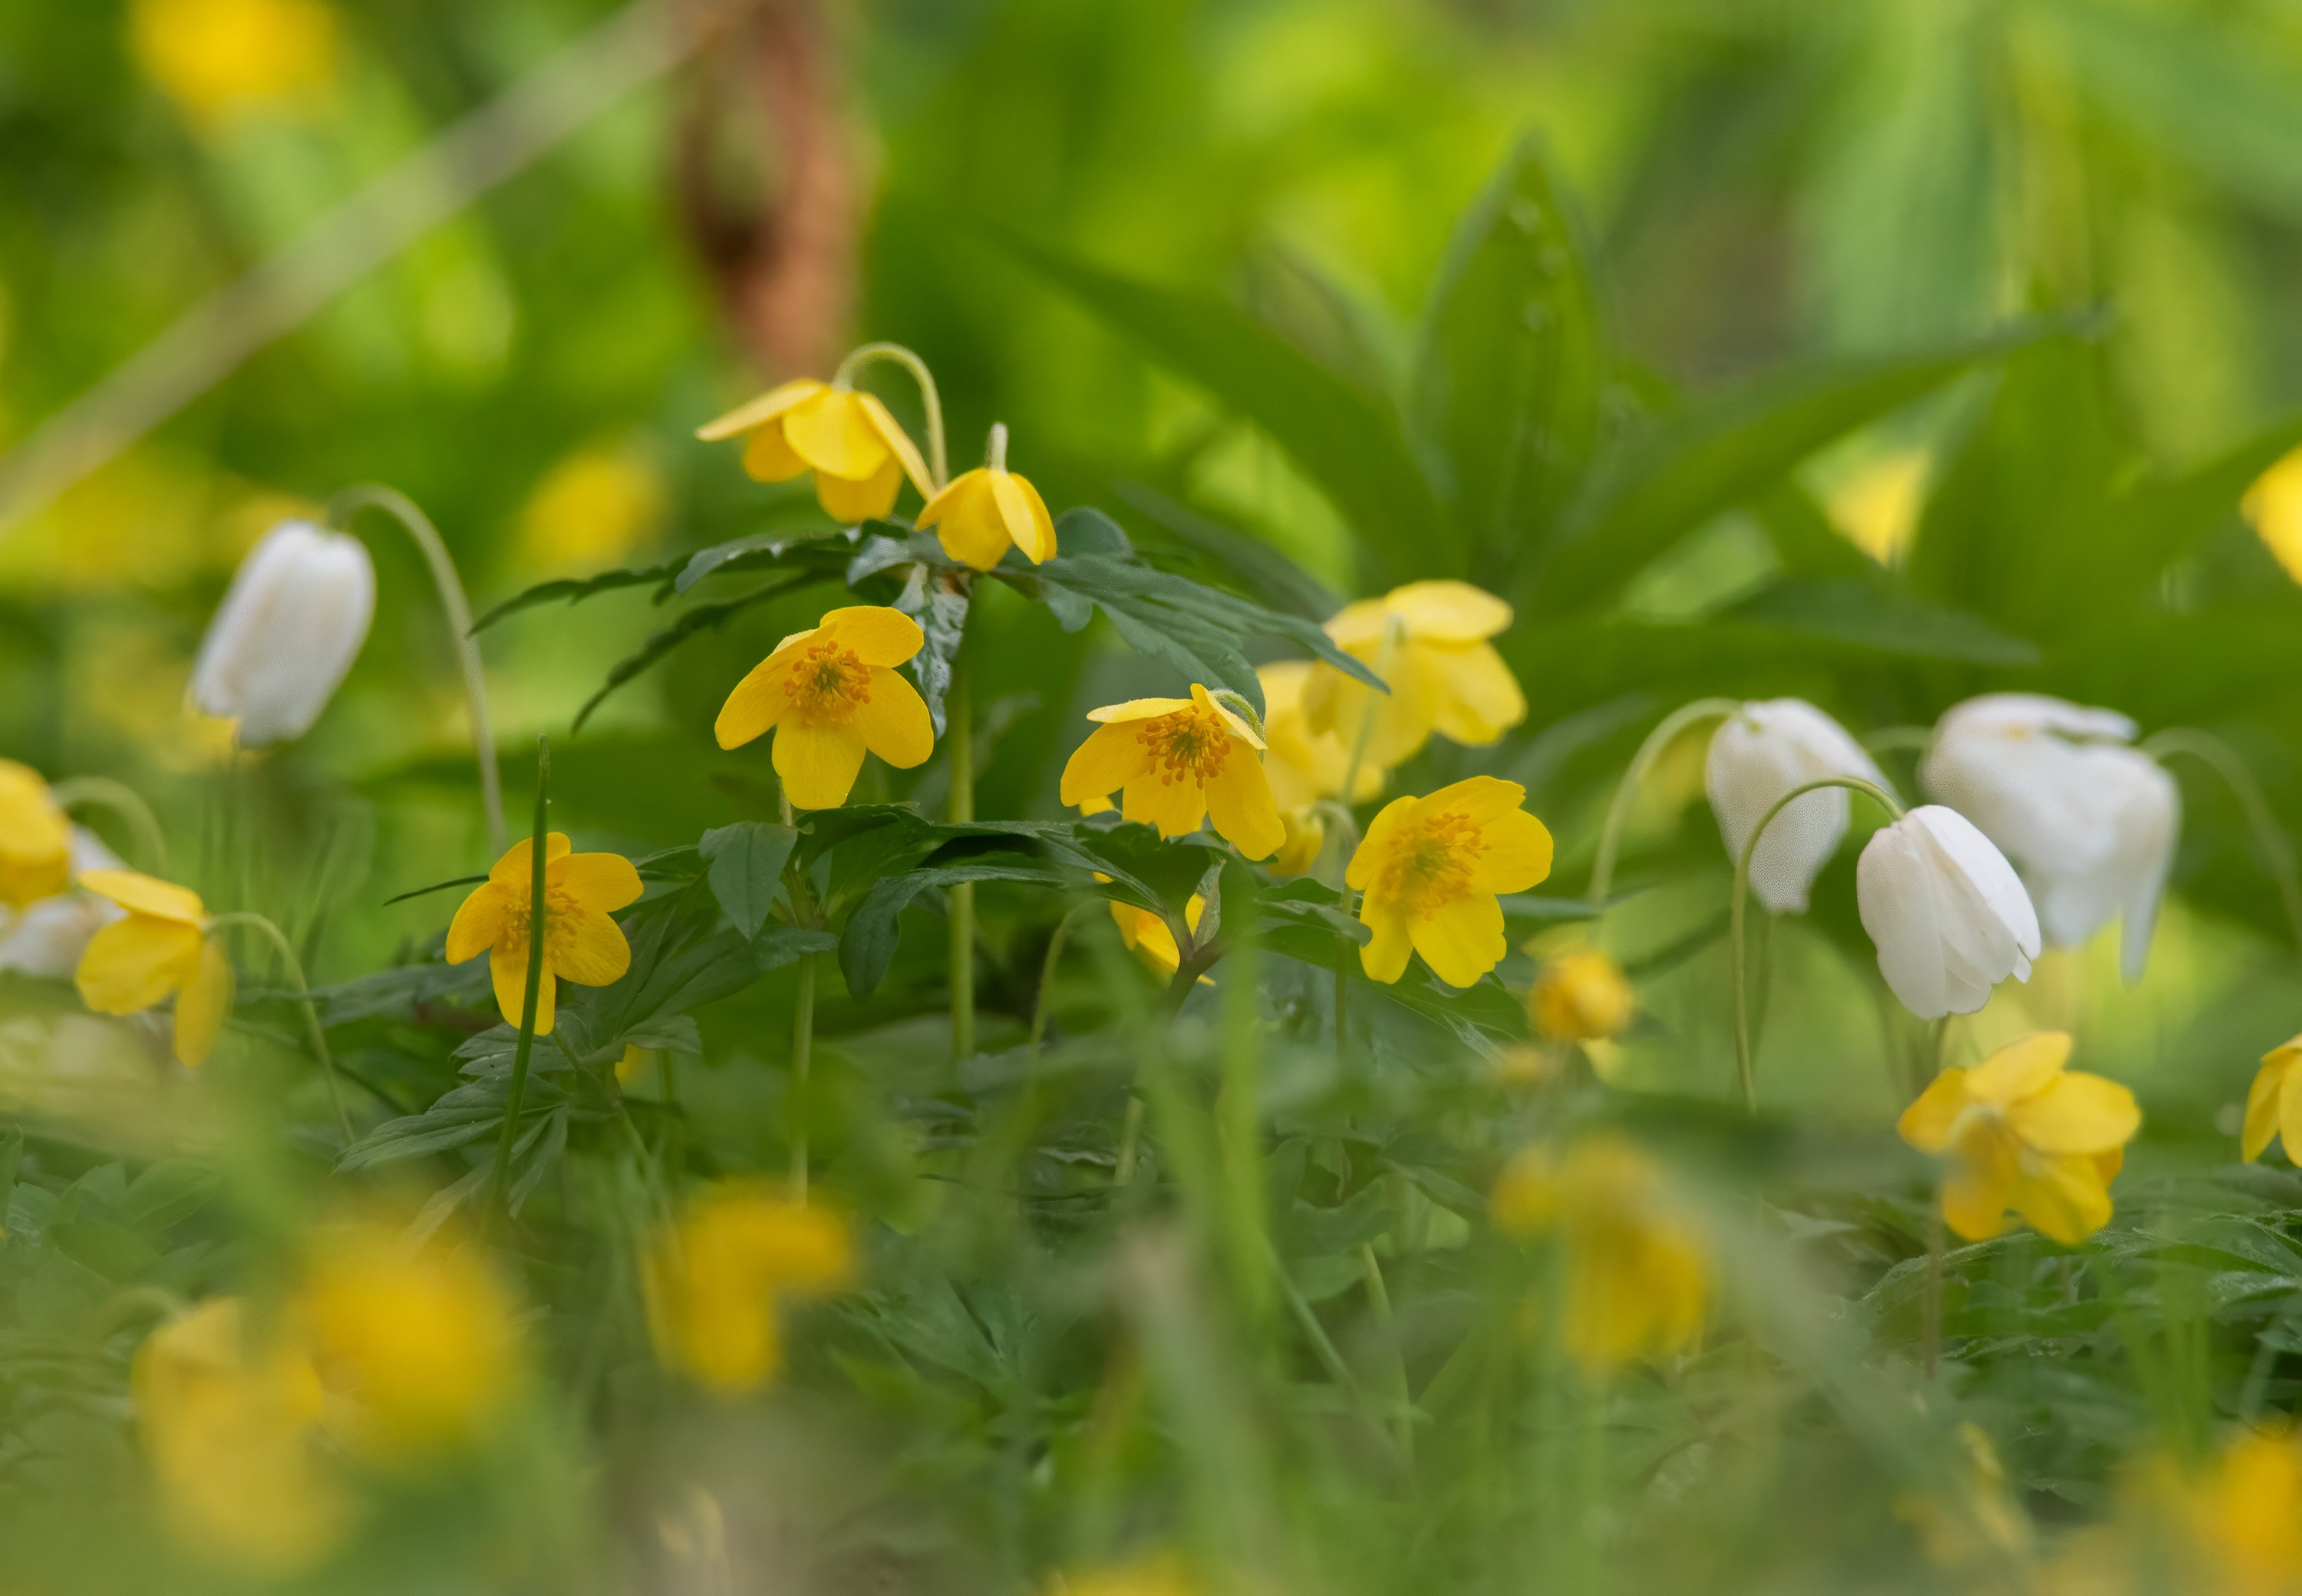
[1948, 913]
[290, 627]
[1580, 997]
[1765, 749]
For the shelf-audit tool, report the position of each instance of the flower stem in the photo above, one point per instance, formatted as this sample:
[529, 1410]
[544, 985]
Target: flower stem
[803, 1047]
[938, 465]
[1402, 1394]
[1909, 739]
[959, 736]
[287, 951]
[1634, 775]
[101, 791]
[536, 928]
[2225, 761]
[994, 449]
[418, 526]
[1394, 632]
[1735, 940]
[1047, 973]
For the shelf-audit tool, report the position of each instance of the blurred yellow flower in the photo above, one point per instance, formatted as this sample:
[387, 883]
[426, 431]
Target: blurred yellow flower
[1580, 996]
[987, 510]
[2023, 1133]
[1163, 1575]
[1148, 937]
[715, 1281]
[2243, 1513]
[1305, 836]
[581, 941]
[1430, 869]
[1305, 764]
[1977, 1523]
[228, 1411]
[35, 838]
[831, 694]
[593, 507]
[1428, 642]
[423, 1340]
[1175, 761]
[2273, 506]
[859, 454]
[1637, 1278]
[161, 946]
[1877, 507]
[213, 57]
[2273, 1105]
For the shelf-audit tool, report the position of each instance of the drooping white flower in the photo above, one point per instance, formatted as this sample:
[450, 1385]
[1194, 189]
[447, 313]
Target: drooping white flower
[290, 627]
[2090, 821]
[45, 940]
[1764, 750]
[1946, 912]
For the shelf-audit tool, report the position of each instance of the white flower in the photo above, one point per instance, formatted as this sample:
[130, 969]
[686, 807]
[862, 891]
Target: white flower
[2090, 821]
[46, 939]
[1766, 749]
[1948, 913]
[297, 613]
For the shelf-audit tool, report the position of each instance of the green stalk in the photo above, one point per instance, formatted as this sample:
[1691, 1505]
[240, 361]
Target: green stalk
[802, 1046]
[1619, 811]
[959, 736]
[1063, 935]
[938, 466]
[1239, 1135]
[497, 1183]
[101, 791]
[1853, 784]
[303, 994]
[2277, 850]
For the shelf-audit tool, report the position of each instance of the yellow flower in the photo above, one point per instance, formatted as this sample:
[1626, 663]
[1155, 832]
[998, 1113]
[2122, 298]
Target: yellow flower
[162, 947]
[2273, 506]
[1148, 937]
[423, 1340]
[860, 456]
[715, 1281]
[593, 507]
[1306, 836]
[581, 944]
[1174, 761]
[1432, 869]
[216, 56]
[830, 695]
[1305, 764]
[2273, 1107]
[984, 510]
[35, 838]
[2023, 1133]
[1443, 673]
[1637, 1275]
[1163, 1575]
[2243, 1515]
[229, 1413]
[1976, 1524]
[1580, 997]
[1877, 508]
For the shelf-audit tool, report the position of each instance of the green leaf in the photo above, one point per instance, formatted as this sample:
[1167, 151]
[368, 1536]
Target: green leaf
[1254, 565]
[821, 552]
[436, 886]
[869, 944]
[935, 594]
[167, 1193]
[703, 618]
[578, 589]
[1505, 402]
[2159, 520]
[1880, 616]
[1343, 442]
[746, 867]
[1804, 539]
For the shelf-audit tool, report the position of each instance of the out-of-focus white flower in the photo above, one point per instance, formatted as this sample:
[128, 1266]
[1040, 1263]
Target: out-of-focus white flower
[1766, 749]
[1948, 913]
[45, 940]
[2090, 821]
[289, 628]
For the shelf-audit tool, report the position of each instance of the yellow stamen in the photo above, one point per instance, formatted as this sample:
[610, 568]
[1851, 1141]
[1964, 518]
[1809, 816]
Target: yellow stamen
[1431, 865]
[827, 684]
[1189, 744]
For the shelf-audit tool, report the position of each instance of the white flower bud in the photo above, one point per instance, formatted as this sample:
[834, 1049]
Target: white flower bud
[1766, 749]
[45, 940]
[1948, 913]
[289, 628]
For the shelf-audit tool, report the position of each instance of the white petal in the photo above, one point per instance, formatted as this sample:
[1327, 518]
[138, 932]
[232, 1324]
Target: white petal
[1896, 901]
[288, 629]
[1997, 889]
[47, 939]
[1765, 751]
[2035, 712]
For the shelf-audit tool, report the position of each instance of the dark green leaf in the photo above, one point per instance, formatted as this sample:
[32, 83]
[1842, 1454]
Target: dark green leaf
[436, 886]
[575, 590]
[1257, 566]
[746, 867]
[703, 618]
[869, 944]
[820, 552]
[1879, 616]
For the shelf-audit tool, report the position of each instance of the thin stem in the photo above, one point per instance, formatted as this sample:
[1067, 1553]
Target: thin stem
[101, 791]
[959, 736]
[418, 526]
[938, 466]
[803, 1047]
[1910, 739]
[1393, 633]
[1379, 1299]
[1634, 774]
[2277, 848]
[534, 986]
[994, 449]
[1930, 1313]
[1853, 784]
[1131, 1142]
[1047, 973]
[303, 994]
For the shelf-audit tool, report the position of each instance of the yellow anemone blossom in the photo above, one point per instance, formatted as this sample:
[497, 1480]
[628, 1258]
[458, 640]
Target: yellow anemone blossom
[987, 509]
[2021, 1132]
[2273, 1106]
[215, 57]
[421, 1340]
[1637, 1276]
[581, 944]
[2273, 506]
[1175, 761]
[1428, 642]
[1430, 869]
[715, 1281]
[1581, 997]
[35, 838]
[162, 947]
[1305, 764]
[830, 695]
[859, 454]
[229, 1413]
[1148, 937]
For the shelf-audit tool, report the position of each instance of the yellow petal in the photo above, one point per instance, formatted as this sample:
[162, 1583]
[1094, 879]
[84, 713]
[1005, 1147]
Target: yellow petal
[478, 922]
[1461, 940]
[818, 763]
[1360, 626]
[2264, 1103]
[1040, 545]
[1129, 921]
[769, 405]
[1014, 510]
[2063, 1198]
[1479, 699]
[587, 947]
[769, 458]
[133, 963]
[859, 499]
[508, 971]
[203, 1007]
[1238, 803]
[898, 442]
[2289, 1112]
[1382, 839]
[878, 635]
[1175, 807]
[1517, 856]
[144, 894]
[971, 531]
[940, 505]
[513, 869]
[1112, 757]
[1203, 700]
[1155, 943]
[893, 722]
[833, 432]
[2019, 1069]
[1447, 611]
[1139, 708]
[758, 701]
[602, 882]
[1979, 1187]
[1926, 1124]
[2076, 1113]
[1383, 955]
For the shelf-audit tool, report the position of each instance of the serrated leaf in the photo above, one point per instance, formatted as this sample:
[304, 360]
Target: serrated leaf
[745, 867]
[693, 623]
[1257, 566]
[575, 589]
[868, 944]
[821, 553]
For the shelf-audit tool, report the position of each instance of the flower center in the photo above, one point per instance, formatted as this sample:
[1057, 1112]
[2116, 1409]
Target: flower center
[1430, 866]
[560, 907]
[827, 684]
[1188, 745]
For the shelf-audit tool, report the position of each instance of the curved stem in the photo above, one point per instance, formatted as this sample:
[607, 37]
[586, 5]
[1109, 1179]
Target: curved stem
[101, 791]
[1047, 974]
[303, 994]
[1853, 784]
[536, 930]
[1634, 774]
[2277, 848]
[1911, 739]
[938, 466]
[418, 526]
